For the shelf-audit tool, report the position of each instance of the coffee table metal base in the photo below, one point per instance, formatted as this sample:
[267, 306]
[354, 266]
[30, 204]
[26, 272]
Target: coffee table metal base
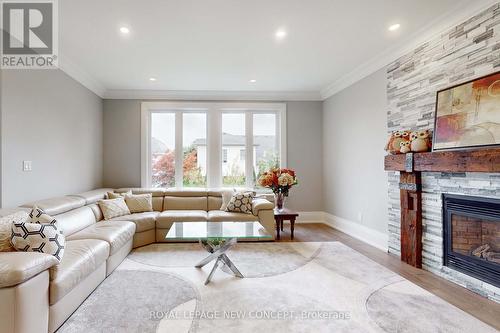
[218, 253]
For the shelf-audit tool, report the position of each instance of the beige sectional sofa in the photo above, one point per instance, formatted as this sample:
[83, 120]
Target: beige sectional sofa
[38, 294]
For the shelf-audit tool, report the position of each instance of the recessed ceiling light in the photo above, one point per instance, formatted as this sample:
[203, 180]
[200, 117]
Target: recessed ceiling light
[125, 30]
[152, 79]
[252, 81]
[394, 27]
[280, 34]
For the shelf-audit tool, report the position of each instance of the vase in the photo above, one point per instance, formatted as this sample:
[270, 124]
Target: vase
[279, 198]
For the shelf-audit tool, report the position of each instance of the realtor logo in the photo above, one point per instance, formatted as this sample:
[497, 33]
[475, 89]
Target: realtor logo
[29, 34]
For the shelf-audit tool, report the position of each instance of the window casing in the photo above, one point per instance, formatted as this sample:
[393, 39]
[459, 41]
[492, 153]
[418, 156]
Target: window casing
[201, 160]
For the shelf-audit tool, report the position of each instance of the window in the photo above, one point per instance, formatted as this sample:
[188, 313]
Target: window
[194, 149]
[191, 144]
[265, 143]
[233, 139]
[163, 149]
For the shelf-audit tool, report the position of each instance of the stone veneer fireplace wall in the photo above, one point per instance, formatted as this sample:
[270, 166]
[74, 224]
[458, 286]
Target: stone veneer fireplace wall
[467, 51]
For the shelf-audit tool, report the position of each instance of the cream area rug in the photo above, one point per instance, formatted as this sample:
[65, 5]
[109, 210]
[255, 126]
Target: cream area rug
[288, 287]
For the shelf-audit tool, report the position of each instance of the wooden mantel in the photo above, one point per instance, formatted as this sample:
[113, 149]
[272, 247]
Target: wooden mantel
[411, 166]
[477, 160]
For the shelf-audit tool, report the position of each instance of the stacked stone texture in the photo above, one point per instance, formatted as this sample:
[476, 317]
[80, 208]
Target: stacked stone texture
[465, 52]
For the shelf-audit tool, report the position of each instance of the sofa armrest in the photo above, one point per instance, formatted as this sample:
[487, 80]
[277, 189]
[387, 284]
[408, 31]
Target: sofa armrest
[259, 204]
[17, 267]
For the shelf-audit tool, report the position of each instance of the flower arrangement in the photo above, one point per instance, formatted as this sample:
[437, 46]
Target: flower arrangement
[278, 180]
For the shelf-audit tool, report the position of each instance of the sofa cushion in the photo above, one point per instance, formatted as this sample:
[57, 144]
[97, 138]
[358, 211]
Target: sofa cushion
[116, 233]
[158, 204]
[155, 192]
[223, 216]
[97, 212]
[17, 267]
[54, 206]
[214, 202]
[143, 221]
[81, 258]
[166, 218]
[259, 204]
[185, 203]
[75, 220]
[93, 196]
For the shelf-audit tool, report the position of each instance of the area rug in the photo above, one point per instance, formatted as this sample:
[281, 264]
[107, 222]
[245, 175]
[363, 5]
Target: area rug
[288, 287]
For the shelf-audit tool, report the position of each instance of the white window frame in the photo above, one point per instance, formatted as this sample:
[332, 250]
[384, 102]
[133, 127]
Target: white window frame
[213, 112]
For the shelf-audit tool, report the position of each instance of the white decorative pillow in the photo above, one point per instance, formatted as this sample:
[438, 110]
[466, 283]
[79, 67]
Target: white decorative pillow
[226, 197]
[38, 237]
[241, 202]
[112, 195]
[113, 208]
[139, 203]
[37, 215]
[6, 223]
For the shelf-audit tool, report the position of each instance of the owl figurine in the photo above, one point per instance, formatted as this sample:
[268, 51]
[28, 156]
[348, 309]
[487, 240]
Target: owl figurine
[421, 141]
[405, 146]
[394, 143]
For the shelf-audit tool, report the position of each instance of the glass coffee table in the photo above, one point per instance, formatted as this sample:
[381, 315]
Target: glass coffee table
[217, 238]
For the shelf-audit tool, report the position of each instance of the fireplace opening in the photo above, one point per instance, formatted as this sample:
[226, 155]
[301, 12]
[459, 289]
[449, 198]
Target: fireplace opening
[472, 236]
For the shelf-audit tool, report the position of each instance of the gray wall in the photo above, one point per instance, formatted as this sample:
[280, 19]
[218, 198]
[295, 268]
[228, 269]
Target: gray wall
[354, 131]
[122, 148]
[52, 120]
[304, 150]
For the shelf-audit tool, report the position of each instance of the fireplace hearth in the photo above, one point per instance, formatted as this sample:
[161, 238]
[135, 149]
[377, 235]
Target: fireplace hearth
[472, 236]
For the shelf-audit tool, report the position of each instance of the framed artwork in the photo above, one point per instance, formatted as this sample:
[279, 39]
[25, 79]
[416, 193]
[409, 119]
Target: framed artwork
[468, 114]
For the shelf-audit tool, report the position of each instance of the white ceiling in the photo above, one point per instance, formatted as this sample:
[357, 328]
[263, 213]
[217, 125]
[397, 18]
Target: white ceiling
[214, 47]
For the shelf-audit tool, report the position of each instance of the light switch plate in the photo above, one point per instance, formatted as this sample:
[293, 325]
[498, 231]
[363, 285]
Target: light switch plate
[27, 166]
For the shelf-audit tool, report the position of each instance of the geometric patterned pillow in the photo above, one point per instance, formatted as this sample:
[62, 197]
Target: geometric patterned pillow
[6, 229]
[37, 215]
[241, 202]
[38, 237]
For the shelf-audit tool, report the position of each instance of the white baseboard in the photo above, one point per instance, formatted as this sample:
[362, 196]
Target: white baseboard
[370, 236]
[311, 217]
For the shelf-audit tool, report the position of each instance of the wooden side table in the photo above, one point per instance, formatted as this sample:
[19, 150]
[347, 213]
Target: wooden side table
[280, 216]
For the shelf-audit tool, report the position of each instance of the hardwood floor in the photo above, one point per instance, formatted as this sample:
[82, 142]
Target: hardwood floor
[479, 307]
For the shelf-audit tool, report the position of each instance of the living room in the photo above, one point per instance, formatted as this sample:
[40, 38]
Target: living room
[186, 166]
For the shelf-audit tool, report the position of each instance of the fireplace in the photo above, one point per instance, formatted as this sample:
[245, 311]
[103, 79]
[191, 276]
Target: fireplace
[472, 236]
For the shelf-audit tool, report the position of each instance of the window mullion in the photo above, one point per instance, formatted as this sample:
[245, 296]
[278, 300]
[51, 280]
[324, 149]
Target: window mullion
[214, 147]
[249, 149]
[179, 158]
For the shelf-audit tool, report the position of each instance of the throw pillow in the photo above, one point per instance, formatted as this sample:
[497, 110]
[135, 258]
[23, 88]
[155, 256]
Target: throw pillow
[112, 195]
[38, 237]
[6, 229]
[113, 208]
[139, 203]
[37, 215]
[226, 197]
[241, 202]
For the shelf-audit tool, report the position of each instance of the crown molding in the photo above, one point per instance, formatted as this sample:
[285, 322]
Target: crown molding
[81, 76]
[426, 33]
[211, 95]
